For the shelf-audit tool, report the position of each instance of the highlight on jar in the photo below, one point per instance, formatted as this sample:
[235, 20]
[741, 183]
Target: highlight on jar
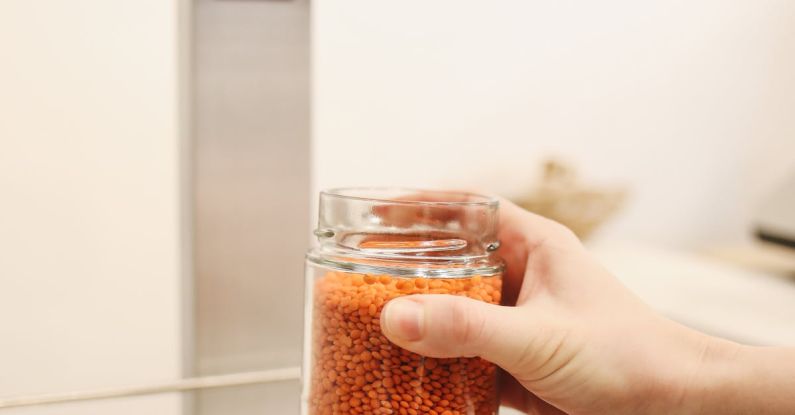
[375, 245]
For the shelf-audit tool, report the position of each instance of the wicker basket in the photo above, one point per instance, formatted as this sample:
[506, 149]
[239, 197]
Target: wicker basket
[560, 196]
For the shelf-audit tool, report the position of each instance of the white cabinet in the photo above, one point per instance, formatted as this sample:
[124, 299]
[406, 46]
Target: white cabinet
[91, 247]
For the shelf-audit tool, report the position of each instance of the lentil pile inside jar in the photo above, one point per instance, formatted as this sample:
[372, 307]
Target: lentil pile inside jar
[356, 370]
[376, 244]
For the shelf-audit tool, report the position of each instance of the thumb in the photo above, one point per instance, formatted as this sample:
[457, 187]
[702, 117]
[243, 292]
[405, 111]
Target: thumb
[453, 326]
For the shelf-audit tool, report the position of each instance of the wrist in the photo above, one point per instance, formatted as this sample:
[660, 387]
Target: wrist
[759, 380]
[715, 378]
[688, 371]
[738, 379]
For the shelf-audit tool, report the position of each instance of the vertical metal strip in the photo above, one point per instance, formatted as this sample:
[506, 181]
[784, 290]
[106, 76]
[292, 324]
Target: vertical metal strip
[251, 201]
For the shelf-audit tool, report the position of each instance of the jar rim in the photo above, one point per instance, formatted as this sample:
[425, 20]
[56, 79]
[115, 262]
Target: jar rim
[418, 197]
[406, 267]
[394, 226]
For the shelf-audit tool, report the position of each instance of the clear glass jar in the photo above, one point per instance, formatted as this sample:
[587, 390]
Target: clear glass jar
[375, 245]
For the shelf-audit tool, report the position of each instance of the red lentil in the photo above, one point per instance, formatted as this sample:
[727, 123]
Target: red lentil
[356, 370]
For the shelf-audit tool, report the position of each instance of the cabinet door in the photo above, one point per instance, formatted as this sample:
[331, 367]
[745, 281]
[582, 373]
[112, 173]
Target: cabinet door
[91, 247]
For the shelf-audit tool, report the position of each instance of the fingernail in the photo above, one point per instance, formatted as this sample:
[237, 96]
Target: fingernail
[403, 319]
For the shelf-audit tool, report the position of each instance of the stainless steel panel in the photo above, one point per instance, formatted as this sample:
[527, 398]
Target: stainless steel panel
[251, 173]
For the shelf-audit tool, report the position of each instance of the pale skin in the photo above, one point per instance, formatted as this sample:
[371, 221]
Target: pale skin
[573, 340]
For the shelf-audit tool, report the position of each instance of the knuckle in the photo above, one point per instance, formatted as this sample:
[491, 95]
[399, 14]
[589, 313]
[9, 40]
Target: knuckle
[564, 233]
[468, 323]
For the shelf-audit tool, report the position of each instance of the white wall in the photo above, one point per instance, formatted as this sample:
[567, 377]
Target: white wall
[90, 255]
[690, 103]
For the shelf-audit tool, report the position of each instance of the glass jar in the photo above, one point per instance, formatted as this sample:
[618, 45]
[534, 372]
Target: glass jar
[375, 245]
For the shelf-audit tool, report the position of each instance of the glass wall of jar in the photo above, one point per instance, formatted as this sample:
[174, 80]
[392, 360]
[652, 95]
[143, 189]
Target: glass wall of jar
[375, 245]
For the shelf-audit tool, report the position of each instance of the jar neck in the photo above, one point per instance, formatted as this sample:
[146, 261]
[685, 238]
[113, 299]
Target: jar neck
[343, 259]
[407, 232]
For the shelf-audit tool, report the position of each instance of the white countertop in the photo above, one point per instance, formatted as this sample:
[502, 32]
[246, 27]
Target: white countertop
[709, 295]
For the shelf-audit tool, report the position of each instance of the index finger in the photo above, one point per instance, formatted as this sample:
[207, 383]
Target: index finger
[521, 233]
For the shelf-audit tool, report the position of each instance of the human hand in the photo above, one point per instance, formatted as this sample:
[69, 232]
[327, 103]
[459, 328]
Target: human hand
[571, 338]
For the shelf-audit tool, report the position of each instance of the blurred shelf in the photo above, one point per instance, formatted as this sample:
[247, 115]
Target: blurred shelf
[760, 256]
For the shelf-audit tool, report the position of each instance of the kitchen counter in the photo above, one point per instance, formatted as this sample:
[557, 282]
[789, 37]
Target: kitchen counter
[707, 294]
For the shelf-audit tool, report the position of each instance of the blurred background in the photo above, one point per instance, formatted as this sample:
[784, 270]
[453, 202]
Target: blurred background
[160, 161]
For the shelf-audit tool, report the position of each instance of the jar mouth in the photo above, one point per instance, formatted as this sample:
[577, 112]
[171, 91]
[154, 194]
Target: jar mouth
[411, 196]
[389, 227]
